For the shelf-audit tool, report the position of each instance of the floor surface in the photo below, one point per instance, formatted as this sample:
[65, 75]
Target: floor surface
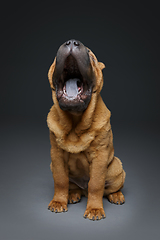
[26, 187]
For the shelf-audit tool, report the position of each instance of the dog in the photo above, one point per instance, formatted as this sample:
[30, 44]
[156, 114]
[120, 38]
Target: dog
[82, 153]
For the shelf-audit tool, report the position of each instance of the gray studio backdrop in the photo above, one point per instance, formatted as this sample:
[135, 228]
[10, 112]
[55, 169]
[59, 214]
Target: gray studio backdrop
[125, 37]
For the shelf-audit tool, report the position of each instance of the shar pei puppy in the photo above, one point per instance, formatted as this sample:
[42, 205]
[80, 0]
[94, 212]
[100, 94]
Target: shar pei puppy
[82, 153]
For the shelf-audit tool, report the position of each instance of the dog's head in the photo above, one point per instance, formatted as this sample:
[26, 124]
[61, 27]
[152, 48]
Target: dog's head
[74, 76]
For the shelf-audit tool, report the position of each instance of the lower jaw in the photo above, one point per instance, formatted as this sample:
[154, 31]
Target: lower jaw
[68, 105]
[76, 109]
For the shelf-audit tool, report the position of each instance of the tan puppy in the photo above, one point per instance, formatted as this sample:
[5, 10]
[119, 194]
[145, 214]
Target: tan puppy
[82, 153]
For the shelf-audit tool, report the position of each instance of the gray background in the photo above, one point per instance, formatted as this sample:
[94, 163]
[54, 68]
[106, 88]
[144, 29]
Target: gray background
[126, 38]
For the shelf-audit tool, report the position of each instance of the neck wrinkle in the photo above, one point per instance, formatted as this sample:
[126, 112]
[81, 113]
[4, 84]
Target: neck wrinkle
[64, 118]
[87, 116]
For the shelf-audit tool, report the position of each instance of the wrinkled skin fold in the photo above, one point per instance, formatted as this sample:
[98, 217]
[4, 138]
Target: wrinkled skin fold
[82, 152]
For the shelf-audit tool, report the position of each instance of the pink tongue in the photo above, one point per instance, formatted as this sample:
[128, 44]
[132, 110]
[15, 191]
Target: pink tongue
[71, 88]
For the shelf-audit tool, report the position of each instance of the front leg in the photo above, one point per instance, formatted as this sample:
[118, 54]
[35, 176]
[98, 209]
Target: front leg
[61, 180]
[98, 166]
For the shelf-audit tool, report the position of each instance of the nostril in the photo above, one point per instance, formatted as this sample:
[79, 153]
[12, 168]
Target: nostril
[68, 42]
[76, 43]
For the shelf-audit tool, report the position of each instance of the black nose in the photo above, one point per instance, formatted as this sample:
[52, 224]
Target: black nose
[72, 43]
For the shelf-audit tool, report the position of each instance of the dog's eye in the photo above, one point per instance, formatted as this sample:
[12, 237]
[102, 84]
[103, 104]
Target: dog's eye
[88, 50]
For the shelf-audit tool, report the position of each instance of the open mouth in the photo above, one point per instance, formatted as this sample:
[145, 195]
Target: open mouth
[71, 79]
[71, 86]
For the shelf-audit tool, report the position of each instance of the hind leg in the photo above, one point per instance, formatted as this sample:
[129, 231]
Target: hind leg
[75, 193]
[117, 198]
[114, 182]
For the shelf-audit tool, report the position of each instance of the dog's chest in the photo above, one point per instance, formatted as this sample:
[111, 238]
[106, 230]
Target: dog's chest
[78, 164]
[78, 169]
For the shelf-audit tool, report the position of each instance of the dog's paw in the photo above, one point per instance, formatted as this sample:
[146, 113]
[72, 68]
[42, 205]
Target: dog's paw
[117, 198]
[94, 213]
[57, 206]
[74, 196]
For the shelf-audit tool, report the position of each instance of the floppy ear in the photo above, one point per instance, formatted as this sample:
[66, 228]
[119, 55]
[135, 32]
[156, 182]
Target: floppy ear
[101, 65]
[50, 73]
